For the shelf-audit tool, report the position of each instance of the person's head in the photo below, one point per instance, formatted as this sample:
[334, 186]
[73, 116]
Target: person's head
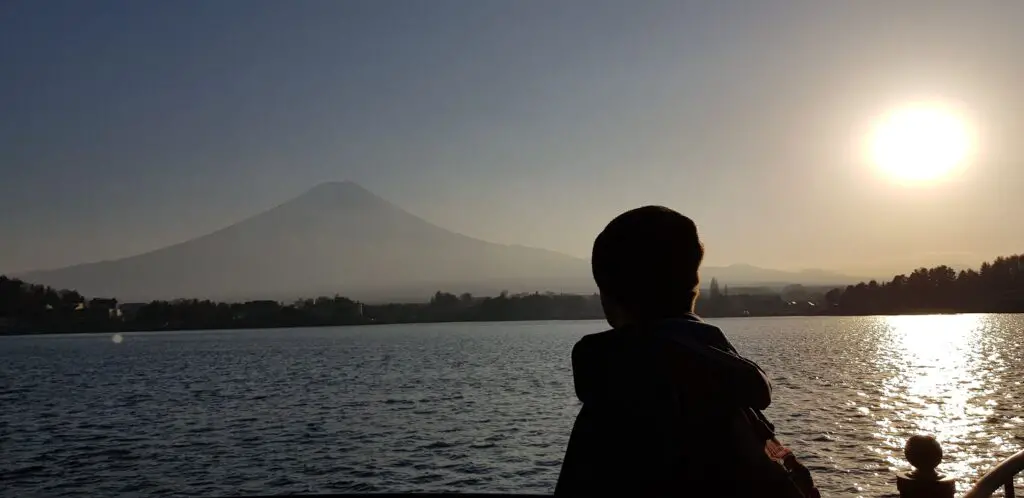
[646, 263]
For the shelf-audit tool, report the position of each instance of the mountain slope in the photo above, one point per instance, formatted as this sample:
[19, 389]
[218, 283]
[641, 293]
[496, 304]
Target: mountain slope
[337, 237]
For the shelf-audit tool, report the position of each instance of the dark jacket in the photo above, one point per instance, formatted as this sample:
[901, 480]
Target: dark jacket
[669, 409]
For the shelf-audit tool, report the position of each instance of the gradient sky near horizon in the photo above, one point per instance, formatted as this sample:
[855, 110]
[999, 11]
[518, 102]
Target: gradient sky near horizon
[126, 126]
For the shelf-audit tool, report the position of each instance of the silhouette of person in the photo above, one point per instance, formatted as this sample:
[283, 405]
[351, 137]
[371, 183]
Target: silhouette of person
[669, 407]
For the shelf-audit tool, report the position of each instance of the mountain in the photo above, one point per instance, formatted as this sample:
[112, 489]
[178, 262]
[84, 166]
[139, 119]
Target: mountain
[340, 238]
[335, 238]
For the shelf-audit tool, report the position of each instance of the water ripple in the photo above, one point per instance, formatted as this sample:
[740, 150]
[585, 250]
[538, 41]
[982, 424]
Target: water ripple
[470, 407]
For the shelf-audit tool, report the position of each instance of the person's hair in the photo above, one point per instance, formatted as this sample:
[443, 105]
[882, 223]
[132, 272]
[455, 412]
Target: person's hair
[646, 261]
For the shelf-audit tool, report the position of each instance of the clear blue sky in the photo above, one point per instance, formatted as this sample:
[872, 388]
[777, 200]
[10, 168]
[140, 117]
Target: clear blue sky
[128, 125]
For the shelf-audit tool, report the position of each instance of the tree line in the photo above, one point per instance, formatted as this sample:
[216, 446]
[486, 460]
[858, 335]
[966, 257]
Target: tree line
[35, 309]
[997, 286]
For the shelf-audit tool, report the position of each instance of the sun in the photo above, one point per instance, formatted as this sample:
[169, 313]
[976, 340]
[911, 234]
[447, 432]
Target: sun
[920, 143]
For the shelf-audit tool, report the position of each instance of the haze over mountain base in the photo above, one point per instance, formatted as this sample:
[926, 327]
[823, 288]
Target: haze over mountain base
[339, 238]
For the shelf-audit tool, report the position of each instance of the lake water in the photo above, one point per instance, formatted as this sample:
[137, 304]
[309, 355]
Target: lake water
[481, 407]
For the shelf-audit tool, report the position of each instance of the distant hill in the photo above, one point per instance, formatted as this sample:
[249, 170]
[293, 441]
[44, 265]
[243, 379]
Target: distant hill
[741, 274]
[341, 238]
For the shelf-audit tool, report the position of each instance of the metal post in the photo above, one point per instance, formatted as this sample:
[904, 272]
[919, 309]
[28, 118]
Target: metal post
[925, 454]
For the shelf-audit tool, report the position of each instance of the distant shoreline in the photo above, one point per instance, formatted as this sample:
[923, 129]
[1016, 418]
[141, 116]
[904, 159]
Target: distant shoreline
[512, 320]
[27, 309]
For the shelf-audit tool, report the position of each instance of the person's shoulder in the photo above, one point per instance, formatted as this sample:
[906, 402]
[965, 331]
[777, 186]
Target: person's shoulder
[597, 346]
[589, 354]
[699, 323]
[708, 333]
[597, 341]
[600, 337]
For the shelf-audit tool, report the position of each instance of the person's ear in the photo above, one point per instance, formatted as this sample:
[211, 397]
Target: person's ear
[613, 313]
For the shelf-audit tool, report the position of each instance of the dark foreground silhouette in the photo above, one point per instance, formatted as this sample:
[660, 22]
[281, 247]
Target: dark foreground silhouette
[629, 427]
[997, 287]
[670, 407]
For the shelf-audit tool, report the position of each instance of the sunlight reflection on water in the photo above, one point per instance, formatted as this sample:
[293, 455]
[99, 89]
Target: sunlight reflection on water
[942, 377]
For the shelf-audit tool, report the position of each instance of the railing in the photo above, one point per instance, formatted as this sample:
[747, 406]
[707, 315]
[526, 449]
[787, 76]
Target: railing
[1002, 475]
[923, 452]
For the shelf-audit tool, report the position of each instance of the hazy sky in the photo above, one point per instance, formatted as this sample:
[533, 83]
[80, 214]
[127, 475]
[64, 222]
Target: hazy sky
[126, 126]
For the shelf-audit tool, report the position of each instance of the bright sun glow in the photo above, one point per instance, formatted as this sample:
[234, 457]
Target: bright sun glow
[920, 143]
